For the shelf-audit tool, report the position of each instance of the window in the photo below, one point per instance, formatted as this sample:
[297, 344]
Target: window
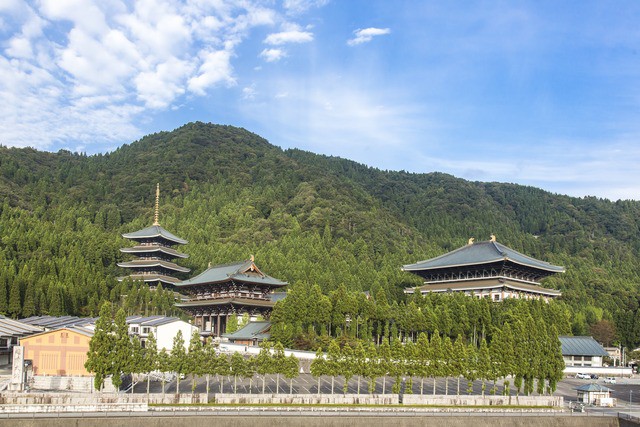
[145, 329]
[496, 297]
[134, 329]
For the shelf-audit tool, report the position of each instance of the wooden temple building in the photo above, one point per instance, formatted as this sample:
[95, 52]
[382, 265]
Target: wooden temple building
[485, 269]
[223, 290]
[154, 254]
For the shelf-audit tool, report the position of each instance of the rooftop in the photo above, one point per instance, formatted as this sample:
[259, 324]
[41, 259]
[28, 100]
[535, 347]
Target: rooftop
[152, 232]
[252, 330]
[581, 346]
[244, 271]
[481, 253]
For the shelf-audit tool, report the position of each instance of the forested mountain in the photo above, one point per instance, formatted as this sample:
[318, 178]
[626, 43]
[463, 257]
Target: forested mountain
[308, 219]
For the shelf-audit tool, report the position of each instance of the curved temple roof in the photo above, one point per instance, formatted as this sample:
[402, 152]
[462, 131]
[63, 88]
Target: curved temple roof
[154, 248]
[154, 231]
[245, 271]
[481, 253]
[150, 263]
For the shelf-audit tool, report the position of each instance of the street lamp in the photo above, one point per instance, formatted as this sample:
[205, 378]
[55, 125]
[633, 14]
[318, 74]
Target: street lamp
[630, 397]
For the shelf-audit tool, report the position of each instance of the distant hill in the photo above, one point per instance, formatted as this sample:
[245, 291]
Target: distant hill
[305, 217]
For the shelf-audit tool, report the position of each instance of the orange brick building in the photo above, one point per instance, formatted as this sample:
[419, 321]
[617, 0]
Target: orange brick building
[59, 352]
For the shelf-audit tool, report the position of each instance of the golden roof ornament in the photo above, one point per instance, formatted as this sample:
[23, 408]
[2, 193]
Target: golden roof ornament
[470, 242]
[156, 214]
[493, 238]
[252, 258]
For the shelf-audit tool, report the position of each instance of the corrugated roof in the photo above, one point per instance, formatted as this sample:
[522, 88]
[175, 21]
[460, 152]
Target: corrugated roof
[581, 346]
[481, 253]
[16, 328]
[250, 331]
[154, 231]
[245, 271]
[54, 322]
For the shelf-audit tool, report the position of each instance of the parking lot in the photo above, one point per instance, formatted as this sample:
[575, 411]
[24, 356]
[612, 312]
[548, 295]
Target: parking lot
[623, 390]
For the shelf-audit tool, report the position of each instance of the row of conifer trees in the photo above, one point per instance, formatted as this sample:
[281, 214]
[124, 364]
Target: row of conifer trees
[527, 352]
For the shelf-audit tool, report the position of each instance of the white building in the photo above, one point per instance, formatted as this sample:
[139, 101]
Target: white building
[164, 329]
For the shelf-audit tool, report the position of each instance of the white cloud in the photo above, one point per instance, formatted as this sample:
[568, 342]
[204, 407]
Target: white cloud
[301, 6]
[116, 59]
[273, 55]
[366, 35]
[292, 36]
[215, 68]
[249, 92]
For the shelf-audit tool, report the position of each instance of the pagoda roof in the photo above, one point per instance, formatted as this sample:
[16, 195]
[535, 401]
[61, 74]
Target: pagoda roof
[488, 283]
[481, 253]
[245, 271]
[154, 231]
[153, 248]
[148, 263]
[151, 278]
[252, 302]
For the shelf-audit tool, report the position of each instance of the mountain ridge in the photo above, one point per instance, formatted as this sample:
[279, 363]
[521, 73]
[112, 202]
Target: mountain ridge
[307, 217]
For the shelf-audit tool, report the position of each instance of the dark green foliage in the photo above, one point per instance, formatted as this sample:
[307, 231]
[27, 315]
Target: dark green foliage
[309, 219]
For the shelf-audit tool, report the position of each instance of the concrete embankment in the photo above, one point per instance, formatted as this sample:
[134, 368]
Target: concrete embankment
[319, 420]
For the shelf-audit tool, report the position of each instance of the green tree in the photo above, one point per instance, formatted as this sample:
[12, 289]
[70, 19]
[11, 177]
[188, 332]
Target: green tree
[195, 358]
[238, 368]
[178, 359]
[293, 368]
[99, 358]
[122, 350]
[150, 359]
[264, 362]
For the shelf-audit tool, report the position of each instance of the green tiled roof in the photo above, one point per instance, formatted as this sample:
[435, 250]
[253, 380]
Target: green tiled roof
[240, 272]
[154, 248]
[150, 263]
[251, 331]
[154, 231]
[152, 278]
[581, 346]
[481, 253]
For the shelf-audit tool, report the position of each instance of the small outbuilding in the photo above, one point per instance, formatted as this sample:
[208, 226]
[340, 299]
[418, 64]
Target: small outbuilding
[582, 351]
[595, 394]
[252, 334]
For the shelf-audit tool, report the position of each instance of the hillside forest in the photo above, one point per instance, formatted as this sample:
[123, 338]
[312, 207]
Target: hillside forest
[330, 227]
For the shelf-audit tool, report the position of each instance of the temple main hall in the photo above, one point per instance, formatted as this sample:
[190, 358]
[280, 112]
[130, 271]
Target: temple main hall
[486, 269]
[223, 290]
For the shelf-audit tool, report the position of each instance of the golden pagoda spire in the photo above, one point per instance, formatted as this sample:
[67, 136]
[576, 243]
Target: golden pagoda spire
[155, 216]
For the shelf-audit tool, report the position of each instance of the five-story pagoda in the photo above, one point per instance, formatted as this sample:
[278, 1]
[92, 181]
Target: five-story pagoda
[154, 254]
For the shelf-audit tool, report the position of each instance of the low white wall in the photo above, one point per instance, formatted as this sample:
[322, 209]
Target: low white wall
[312, 399]
[83, 399]
[608, 372]
[102, 407]
[473, 400]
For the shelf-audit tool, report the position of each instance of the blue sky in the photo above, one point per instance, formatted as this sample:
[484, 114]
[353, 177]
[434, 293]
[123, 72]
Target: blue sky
[536, 93]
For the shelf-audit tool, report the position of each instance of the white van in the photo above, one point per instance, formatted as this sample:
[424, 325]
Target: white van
[610, 380]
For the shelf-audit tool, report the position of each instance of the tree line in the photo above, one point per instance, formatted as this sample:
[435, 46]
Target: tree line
[528, 351]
